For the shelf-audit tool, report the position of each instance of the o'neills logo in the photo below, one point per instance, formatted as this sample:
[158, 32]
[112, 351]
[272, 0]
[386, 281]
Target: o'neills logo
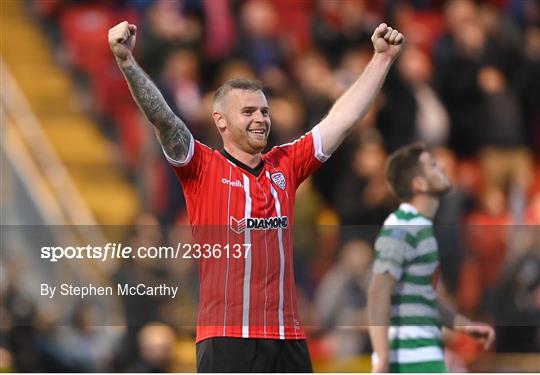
[235, 183]
[255, 223]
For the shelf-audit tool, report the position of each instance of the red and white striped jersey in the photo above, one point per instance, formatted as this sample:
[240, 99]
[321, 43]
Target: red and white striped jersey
[252, 295]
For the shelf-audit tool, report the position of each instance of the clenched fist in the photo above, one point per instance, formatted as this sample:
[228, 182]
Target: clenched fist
[387, 41]
[122, 40]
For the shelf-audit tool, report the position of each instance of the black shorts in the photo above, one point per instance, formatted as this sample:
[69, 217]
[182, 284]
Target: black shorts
[230, 354]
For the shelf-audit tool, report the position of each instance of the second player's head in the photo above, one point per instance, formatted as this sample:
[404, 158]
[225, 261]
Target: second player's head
[241, 115]
[412, 170]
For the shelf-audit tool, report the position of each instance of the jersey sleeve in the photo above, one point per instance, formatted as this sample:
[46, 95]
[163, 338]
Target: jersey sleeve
[306, 154]
[190, 170]
[390, 251]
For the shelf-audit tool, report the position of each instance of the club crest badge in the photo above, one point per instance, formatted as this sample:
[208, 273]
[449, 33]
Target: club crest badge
[279, 179]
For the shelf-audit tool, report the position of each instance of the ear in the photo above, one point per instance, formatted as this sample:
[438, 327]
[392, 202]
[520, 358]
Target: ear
[220, 121]
[419, 185]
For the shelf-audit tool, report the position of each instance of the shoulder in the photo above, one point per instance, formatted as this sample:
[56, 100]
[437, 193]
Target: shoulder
[308, 143]
[204, 148]
[396, 232]
[276, 152]
[410, 222]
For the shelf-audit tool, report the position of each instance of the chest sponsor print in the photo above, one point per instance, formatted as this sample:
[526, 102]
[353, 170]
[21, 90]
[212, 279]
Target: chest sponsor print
[255, 223]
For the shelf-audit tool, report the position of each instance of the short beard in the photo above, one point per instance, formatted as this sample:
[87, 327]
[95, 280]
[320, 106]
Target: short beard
[439, 193]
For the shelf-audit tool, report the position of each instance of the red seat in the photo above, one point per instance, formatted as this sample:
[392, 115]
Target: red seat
[110, 91]
[132, 134]
[85, 29]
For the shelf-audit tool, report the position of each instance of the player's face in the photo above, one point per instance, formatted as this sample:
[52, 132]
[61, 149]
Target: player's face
[247, 120]
[438, 183]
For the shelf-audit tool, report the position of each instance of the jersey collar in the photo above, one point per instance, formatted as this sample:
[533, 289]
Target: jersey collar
[407, 207]
[254, 171]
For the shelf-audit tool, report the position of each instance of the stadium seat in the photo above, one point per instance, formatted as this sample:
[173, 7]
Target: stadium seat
[85, 29]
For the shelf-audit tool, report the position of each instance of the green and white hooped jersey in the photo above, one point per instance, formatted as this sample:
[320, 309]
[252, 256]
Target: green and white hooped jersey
[406, 248]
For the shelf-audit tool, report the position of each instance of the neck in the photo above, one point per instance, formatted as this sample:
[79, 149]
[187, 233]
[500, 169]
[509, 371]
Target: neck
[426, 205]
[251, 160]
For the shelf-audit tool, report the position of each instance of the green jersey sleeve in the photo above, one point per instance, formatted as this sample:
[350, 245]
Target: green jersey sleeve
[390, 251]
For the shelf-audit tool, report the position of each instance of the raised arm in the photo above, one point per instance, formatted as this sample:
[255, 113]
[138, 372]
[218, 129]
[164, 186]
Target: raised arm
[171, 131]
[355, 102]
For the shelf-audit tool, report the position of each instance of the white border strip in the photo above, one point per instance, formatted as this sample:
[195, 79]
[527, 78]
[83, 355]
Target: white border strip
[317, 144]
[177, 163]
[281, 261]
[247, 265]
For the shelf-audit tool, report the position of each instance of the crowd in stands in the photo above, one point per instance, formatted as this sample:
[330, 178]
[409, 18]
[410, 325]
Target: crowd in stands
[467, 84]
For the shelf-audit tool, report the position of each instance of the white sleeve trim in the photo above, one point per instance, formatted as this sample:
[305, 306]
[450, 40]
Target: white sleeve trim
[317, 144]
[189, 155]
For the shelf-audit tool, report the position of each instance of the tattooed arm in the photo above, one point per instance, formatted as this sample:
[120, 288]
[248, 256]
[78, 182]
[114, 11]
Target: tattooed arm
[171, 131]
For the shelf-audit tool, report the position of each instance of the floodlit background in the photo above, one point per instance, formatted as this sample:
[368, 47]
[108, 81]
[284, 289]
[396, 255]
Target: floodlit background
[80, 163]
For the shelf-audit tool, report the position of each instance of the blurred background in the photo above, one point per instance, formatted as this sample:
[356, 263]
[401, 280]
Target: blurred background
[81, 165]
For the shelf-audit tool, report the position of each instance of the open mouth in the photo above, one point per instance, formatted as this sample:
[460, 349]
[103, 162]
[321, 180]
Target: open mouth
[257, 131]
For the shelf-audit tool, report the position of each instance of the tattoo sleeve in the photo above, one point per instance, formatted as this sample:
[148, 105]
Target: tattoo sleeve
[172, 132]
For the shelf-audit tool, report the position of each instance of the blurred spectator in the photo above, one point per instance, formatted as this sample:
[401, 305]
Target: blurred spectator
[351, 66]
[503, 113]
[503, 32]
[87, 344]
[308, 205]
[18, 315]
[317, 85]
[421, 21]
[340, 301]
[140, 310]
[338, 26]
[431, 119]
[517, 296]
[525, 12]
[261, 44]
[528, 86]
[288, 118]
[220, 30]
[156, 343]
[294, 19]
[362, 197]
[458, 56]
[234, 68]
[504, 158]
[181, 81]
[449, 220]
[258, 42]
[412, 110]
[319, 90]
[487, 233]
[168, 26]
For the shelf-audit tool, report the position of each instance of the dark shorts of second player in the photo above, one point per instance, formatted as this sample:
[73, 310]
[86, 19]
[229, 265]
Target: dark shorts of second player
[230, 354]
